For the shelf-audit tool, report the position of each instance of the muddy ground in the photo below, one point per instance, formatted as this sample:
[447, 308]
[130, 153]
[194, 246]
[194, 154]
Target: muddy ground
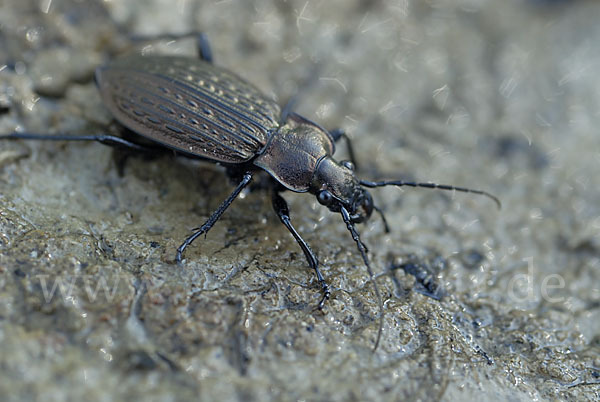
[479, 303]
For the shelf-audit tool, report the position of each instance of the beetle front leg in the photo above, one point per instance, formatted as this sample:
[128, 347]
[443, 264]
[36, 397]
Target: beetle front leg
[281, 208]
[340, 133]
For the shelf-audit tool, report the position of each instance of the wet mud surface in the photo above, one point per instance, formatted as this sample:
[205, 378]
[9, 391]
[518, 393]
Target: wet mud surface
[479, 303]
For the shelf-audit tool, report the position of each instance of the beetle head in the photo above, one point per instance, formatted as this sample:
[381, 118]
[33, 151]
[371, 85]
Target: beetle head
[336, 186]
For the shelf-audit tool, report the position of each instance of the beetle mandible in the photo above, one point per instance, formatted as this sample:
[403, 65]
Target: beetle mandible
[198, 109]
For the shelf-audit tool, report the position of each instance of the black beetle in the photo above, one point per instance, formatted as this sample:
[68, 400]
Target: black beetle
[203, 111]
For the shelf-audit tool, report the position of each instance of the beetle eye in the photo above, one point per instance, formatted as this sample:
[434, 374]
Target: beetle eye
[348, 165]
[325, 197]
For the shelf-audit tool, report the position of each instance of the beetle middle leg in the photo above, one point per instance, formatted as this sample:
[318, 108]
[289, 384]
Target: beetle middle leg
[215, 215]
[282, 210]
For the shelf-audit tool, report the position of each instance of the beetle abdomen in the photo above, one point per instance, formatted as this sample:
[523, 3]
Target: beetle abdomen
[189, 105]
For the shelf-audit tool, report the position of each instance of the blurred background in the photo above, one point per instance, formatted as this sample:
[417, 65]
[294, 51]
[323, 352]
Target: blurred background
[502, 96]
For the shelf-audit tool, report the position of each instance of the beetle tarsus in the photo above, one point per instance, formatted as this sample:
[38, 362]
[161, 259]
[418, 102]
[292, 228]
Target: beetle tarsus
[326, 295]
[214, 217]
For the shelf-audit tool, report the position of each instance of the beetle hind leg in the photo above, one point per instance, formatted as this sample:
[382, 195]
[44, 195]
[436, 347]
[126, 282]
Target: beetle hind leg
[104, 139]
[283, 212]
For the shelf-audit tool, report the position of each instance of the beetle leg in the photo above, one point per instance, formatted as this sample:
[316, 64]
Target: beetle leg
[339, 133]
[145, 148]
[215, 215]
[203, 46]
[109, 140]
[120, 144]
[282, 210]
[386, 227]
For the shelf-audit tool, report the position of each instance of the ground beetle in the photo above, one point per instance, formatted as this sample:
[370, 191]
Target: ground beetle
[200, 110]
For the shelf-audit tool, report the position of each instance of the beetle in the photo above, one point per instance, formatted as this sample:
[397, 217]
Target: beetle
[200, 110]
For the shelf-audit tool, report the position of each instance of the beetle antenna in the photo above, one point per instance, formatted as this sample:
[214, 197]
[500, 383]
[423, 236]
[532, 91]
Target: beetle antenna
[400, 183]
[363, 252]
